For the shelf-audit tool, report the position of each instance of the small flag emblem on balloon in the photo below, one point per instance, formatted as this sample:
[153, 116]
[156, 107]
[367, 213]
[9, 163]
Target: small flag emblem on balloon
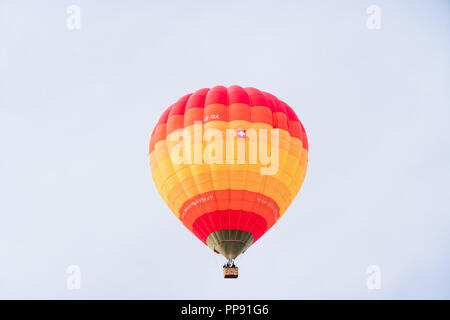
[240, 133]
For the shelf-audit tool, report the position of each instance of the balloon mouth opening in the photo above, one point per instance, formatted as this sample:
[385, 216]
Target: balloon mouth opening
[229, 243]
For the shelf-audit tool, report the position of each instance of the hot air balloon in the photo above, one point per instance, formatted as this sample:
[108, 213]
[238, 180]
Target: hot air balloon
[228, 162]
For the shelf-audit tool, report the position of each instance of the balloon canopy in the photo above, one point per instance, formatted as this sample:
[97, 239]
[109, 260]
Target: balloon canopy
[228, 162]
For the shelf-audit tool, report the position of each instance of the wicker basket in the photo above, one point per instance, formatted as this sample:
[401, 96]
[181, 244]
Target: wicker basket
[230, 272]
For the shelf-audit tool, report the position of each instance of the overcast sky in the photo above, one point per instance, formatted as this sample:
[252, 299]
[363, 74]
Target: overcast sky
[77, 108]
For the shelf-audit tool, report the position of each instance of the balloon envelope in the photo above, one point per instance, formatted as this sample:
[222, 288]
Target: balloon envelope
[228, 162]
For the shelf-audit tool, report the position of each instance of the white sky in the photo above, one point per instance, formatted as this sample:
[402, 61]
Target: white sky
[77, 109]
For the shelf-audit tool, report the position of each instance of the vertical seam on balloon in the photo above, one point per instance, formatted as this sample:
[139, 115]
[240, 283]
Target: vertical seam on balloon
[292, 196]
[244, 193]
[193, 178]
[211, 227]
[253, 209]
[159, 171]
[173, 172]
[170, 159]
[299, 159]
[229, 173]
[159, 187]
[287, 155]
